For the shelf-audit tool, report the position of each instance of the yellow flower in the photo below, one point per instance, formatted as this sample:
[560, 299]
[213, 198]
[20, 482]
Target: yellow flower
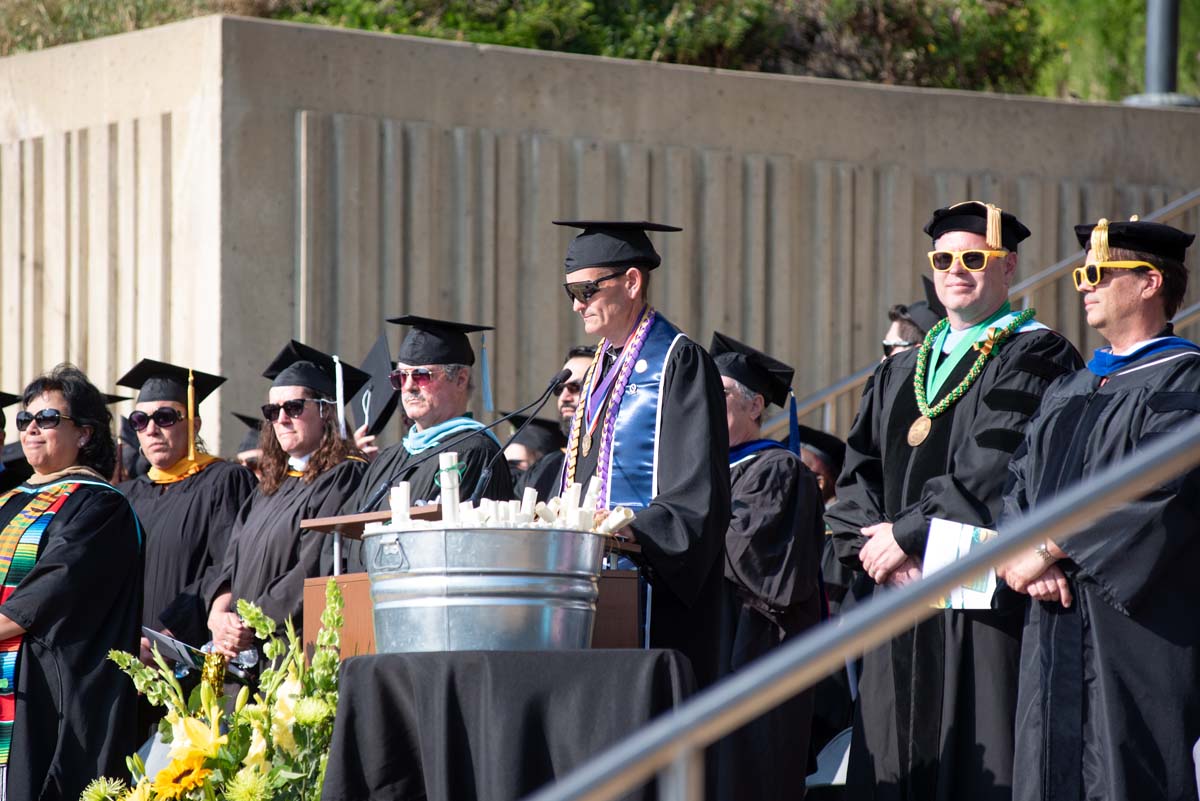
[139, 793]
[256, 757]
[190, 736]
[248, 784]
[180, 776]
[284, 714]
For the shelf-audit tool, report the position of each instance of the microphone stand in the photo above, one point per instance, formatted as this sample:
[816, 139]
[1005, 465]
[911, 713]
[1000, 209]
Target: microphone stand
[486, 475]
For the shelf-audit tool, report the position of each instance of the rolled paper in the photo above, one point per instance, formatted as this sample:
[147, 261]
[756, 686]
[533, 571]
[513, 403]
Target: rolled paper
[554, 504]
[570, 501]
[592, 496]
[448, 460]
[617, 519]
[544, 513]
[399, 501]
[528, 501]
[584, 520]
[523, 519]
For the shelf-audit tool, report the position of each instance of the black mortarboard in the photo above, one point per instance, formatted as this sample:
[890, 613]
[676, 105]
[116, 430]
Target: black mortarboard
[436, 341]
[298, 365]
[756, 370]
[829, 448]
[6, 399]
[926, 313]
[254, 425]
[159, 381]
[612, 244]
[1002, 230]
[111, 399]
[1153, 238]
[374, 404]
[544, 436]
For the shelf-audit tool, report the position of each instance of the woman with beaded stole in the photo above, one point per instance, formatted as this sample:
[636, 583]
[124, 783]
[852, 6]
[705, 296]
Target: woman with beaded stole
[309, 469]
[71, 570]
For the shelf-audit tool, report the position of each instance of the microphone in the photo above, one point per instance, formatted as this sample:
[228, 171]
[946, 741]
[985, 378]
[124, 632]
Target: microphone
[563, 376]
[559, 379]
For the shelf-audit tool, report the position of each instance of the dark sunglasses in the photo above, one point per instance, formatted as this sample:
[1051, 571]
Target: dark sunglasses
[163, 417]
[1092, 274]
[421, 376]
[583, 291]
[46, 418]
[293, 408]
[973, 260]
[575, 386]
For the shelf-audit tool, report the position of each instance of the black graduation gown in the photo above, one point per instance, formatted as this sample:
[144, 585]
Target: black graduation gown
[1109, 702]
[544, 476]
[682, 531]
[187, 526]
[936, 703]
[270, 556]
[772, 555]
[393, 465]
[75, 716]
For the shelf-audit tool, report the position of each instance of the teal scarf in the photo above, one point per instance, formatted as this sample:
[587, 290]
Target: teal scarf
[417, 441]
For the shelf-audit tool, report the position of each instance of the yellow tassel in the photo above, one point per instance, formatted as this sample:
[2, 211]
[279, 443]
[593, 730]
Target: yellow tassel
[191, 417]
[1100, 241]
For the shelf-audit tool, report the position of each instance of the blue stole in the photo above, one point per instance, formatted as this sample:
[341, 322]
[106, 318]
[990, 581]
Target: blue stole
[1105, 363]
[416, 441]
[744, 451]
[633, 468]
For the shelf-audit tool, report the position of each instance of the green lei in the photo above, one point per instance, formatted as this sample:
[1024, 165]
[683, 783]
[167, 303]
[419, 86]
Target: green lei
[986, 348]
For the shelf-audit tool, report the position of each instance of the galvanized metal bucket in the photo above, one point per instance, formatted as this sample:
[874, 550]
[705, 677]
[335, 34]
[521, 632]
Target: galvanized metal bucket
[493, 589]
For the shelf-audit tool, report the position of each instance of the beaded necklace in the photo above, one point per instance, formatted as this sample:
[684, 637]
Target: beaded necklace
[919, 430]
[629, 357]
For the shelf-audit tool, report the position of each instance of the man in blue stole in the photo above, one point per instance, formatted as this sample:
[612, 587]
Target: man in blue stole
[650, 426]
[772, 561]
[1108, 698]
[433, 376]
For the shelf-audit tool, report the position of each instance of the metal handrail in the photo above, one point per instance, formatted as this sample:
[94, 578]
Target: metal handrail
[1021, 293]
[671, 744]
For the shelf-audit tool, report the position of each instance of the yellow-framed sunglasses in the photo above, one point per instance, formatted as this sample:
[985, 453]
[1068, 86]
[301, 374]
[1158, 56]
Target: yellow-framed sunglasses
[1091, 274]
[974, 260]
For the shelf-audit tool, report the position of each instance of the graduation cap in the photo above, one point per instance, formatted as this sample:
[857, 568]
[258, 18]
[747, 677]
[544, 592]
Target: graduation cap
[159, 381]
[827, 447]
[1153, 238]
[1002, 230]
[756, 370]
[541, 435]
[926, 313]
[612, 244]
[374, 404]
[7, 399]
[254, 425]
[111, 399]
[432, 341]
[299, 365]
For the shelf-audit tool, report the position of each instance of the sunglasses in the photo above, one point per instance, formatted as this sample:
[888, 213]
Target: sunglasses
[293, 408]
[421, 376]
[46, 418]
[575, 387]
[163, 417]
[1090, 274]
[583, 291]
[973, 260]
[890, 345]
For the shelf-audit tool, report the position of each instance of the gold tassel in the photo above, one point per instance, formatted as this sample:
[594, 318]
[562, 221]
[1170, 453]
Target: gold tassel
[1100, 241]
[994, 235]
[191, 417]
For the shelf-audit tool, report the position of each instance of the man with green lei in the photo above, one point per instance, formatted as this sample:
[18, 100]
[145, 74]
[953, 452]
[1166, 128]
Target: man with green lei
[935, 431]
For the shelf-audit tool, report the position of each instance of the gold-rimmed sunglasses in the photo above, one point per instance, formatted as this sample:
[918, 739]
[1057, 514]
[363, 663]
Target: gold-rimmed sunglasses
[974, 260]
[1091, 274]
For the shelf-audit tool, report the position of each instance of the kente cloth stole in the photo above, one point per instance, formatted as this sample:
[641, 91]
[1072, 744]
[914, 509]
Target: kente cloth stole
[18, 553]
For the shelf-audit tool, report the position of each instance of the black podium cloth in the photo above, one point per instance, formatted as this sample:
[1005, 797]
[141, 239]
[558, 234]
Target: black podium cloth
[489, 726]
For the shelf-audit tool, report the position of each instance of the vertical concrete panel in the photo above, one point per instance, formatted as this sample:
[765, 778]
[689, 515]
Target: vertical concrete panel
[752, 284]
[392, 212]
[545, 315]
[422, 200]
[719, 238]
[151, 240]
[481, 304]
[313, 313]
[780, 277]
[506, 347]
[863, 310]
[676, 198]
[55, 306]
[11, 307]
[32, 254]
[129, 347]
[100, 215]
[78, 290]
[356, 212]
[631, 164]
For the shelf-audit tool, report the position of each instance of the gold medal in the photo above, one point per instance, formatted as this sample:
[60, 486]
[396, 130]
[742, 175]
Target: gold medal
[586, 445]
[919, 430]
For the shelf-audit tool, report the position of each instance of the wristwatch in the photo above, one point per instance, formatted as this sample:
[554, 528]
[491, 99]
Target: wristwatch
[1044, 551]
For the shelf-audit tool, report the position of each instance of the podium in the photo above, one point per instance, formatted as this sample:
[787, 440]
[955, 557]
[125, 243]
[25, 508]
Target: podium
[616, 622]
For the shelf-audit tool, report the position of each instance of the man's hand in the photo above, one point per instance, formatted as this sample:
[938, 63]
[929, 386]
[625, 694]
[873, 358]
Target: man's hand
[365, 443]
[908, 572]
[230, 635]
[1030, 574]
[145, 653]
[881, 555]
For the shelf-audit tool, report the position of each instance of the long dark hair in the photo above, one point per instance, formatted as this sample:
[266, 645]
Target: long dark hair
[332, 451]
[86, 407]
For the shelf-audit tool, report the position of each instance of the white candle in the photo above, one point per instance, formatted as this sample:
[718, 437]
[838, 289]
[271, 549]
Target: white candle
[529, 500]
[399, 500]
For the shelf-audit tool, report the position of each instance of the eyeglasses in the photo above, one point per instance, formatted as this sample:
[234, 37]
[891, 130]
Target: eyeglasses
[421, 376]
[574, 387]
[583, 291]
[46, 418]
[293, 408]
[1090, 274]
[890, 345]
[163, 417]
[973, 260]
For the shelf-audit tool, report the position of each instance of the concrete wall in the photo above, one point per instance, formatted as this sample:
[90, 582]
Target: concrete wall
[285, 180]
